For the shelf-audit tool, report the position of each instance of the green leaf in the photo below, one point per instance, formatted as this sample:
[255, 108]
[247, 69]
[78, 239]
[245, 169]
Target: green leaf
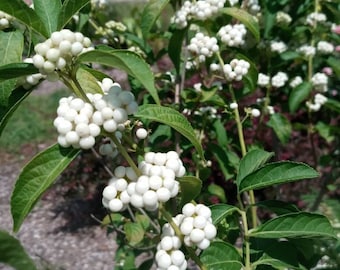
[190, 187]
[12, 253]
[175, 47]
[48, 11]
[220, 211]
[36, 177]
[151, 12]
[88, 82]
[172, 118]
[217, 191]
[221, 255]
[298, 95]
[68, 9]
[325, 131]
[289, 55]
[334, 63]
[14, 70]
[251, 162]
[245, 18]
[333, 105]
[277, 173]
[295, 225]
[11, 47]
[134, 232]
[24, 14]
[143, 220]
[278, 207]
[127, 61]
[281, 126]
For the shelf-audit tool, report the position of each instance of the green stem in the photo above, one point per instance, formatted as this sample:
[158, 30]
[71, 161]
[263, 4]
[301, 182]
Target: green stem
[246, 240]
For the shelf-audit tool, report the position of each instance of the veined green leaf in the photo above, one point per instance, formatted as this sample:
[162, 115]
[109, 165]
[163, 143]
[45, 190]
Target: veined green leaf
[68, 9]
[172, 118]
[11, 47]
[278, 207]
[220, 211]
[151, 12]
[298, 95]
[36, 177]
[251, 162]
[14, 70]
[295, 225]
[24, 14]
[12, 253]
[88, 82]
[190, 188]
[48, 11]
[281, 126]
[125, 60]
[134, 232]
[245, 18]
[277, 173]
[221, 255]
[175, 47]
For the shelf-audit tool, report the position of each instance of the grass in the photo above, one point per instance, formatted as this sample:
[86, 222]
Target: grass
[32, 122]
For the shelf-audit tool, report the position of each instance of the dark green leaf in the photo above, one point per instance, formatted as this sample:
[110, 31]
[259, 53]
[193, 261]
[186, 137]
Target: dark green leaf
[289, 55]
[190, 187]
[220, 211]
[173, 118]
[134, 232]
[36, 177]
[12, 253]
[325, 131]
[217, 191]
[151, 12]
[278, 207]
[175, 47]
[221, 255]
[68, 9]
[24, 14]
[251, 162]
[14, 70]
[334, 63]
[127, 61]
[277, 173]
[333, 105]
[295, 225]
[48, 11]
[281, 126]
[298, 95]
[221, 133]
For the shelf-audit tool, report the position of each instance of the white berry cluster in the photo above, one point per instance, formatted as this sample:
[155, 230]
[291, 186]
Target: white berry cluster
[306, 50]
[283, 18]
[203, 46]
[199, 10]
[253, 6]
[325, 47]
[33, 79]
[315, 17]
[263, 80]
[233, 35]
[115, 195]
[278, 46]
[236, 69]
[297, 80]
[319, 100]
[320, 82]
[5, 20]
[57, 52]
[169, 255]
[99, 4]
[196, 225]
[279, 79]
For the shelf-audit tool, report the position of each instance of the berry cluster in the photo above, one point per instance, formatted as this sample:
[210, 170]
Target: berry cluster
[236, 69]
[306, 50]
[253, 6]
[283, 18]
[33, 79]
[319, 100]
[57, 52]
[233, 35]
[263, 80]
[320, 82]
[4, 20]
[297, 80]
[278, 46]
[203, 46]
[315, 17]
[279, 79]
[325, 47]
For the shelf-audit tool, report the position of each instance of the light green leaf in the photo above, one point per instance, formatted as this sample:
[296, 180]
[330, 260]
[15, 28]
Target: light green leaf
[298, 95]
[295, 225]
[127, 61]
[143, 220]
[281, 126]
[11, 47]
[220, 211]
[325, 131]
[151, 12]
[172, 118]
[334, 63]
[68, 9]
[245, 18]
[48, 11]
[217, 191]
[251, 162]
[88, 82]
[277, 173]
[221, 255]
[24, 14]
[36, 177]
[190, 187]
[14, 70]
[12, 253]
[134, 232]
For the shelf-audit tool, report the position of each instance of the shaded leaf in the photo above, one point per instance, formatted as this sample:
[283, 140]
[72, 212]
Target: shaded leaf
[298, 95]
[190, 187]
[12, 253]
[36, 177]
[48, 11]
[217, 191]
[172, 118]
[325, 131]
[220, 211]
[134, 232]
[68, 9]
[277, 173]
[295, 225]
[278, 207]
[14, 70]
[281, 126]
[175, 47]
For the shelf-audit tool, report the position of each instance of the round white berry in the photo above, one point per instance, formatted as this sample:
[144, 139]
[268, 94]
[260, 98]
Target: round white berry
[163, 194]
[142, 184]
[164, 261]
[186, 227]
[120, 171]
[137, 200]
[121, 184]
[110, 125]
[155, 182]
[188, 209]
[166, 243]
[197, 235]
[141, 133]
[150, 198]
[87, 142]
[200, 222]
[72, 137]
[109, 192]
[205, 243]
[210, 231]
[115, 205]
[177, 257]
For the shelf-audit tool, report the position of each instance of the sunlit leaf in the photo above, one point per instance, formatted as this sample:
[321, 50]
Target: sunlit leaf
[134, 232]
[220, 211]
[68, 9]
[48, 11]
